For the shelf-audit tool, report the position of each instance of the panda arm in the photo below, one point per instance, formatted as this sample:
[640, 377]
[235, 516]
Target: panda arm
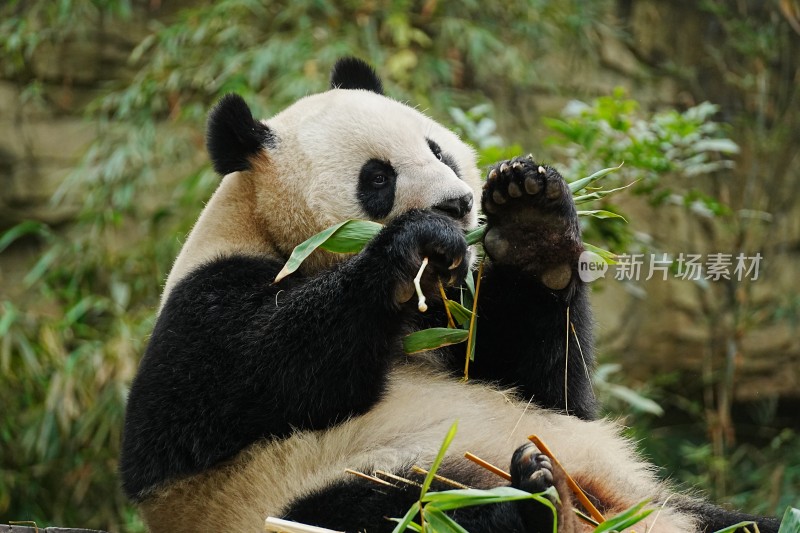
[522, 340]
[530, 288]
[234, 358]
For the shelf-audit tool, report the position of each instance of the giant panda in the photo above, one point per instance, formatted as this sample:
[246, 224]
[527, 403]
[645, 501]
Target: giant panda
[254, 397]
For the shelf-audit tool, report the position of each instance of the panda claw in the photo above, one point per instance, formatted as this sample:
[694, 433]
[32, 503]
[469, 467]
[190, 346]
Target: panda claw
[457, 261]
[504, 168]
[541, 169]
[530, 157]
[492, 175]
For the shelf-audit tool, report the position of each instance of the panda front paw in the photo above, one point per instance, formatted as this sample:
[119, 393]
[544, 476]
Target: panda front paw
[417, 234]
[532, 221]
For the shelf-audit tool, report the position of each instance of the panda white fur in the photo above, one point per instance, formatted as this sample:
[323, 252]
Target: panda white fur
[253, 398]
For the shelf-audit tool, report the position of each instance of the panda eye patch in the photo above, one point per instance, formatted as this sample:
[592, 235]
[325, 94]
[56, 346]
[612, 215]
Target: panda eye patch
[447, 159]
[436, 149]
[376, 188]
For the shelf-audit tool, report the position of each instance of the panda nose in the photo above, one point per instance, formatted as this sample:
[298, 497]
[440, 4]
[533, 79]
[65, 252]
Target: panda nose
[456, 207]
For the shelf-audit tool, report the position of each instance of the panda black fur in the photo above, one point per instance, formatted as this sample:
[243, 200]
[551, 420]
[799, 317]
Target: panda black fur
[253, 398]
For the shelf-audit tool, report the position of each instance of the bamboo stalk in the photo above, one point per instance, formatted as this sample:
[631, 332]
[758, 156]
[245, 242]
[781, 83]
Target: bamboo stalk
[369, 478]
[488, 466]
[472, 320]
[437, 477]
[450, 322]
[397, 478]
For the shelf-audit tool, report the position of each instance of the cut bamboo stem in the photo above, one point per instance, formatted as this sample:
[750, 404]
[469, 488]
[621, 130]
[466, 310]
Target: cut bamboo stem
[437, 477]
[450, 322]
[369, 478]
[488, 466]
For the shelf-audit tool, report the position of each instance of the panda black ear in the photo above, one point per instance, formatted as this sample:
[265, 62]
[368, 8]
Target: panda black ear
[353, 73]
[233, 136]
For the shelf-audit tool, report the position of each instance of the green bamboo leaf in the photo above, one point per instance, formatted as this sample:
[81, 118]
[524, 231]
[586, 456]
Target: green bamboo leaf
[451, 433]
[405, 522]
[626, 519]
[461, 314]
[432, 338]
[597, 195]
[579, 185]
[600, 213]
[475, 236]
[608, 257]
[791, 521]
[352, 236]
[346, 237]
[42, 266]
[735, 527]
[449, 500]
[438, 522]
[23, 228]
[472, 340]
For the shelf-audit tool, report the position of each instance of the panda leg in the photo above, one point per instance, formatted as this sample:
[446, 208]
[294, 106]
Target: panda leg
[356, 504]
[534, 314]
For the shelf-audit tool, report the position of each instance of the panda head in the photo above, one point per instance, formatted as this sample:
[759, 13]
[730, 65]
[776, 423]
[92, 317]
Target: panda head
[349, 152]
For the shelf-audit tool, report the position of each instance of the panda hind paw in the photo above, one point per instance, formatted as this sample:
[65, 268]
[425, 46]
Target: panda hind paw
[531, 470]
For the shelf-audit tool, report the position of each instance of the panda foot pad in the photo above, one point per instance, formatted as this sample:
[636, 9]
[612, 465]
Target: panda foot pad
[532, 221]
[531, 470]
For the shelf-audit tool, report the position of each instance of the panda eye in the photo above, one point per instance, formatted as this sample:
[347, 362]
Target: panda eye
[436, 149]
[380, 180]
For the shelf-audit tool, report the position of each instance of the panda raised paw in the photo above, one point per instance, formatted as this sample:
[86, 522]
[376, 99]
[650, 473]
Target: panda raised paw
[532, 221]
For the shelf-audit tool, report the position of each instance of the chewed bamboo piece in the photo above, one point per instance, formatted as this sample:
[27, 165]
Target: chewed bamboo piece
[597, 515]
[421, 305]
[287, 526]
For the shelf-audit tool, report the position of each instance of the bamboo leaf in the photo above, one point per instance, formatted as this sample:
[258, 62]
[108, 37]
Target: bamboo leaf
[346, 237]
[23, 228]
[461, 314]
[451, 433]
[579, 185]
[352, 236]
[626, 519]
[438, 522]
[475, 236]
[608, 257]
[735, 527]
[600, 213]
[458, 498]
[432, 338]
[597, 195]
[405, 522]
[791, 521]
